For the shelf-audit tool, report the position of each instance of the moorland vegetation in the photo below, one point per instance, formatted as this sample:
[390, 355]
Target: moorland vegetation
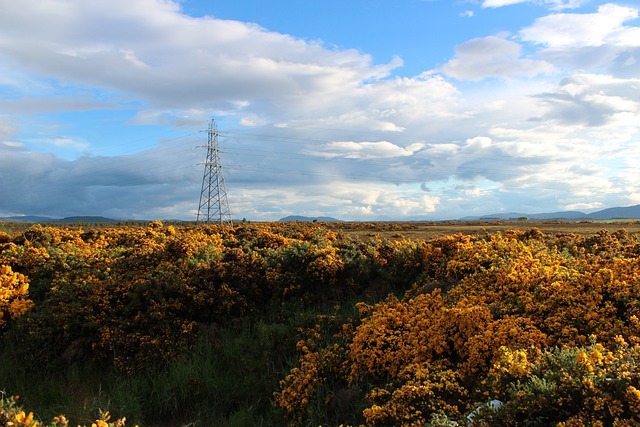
[272, 324]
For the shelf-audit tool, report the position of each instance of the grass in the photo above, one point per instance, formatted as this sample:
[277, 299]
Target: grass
[227, 379]
[224, 381]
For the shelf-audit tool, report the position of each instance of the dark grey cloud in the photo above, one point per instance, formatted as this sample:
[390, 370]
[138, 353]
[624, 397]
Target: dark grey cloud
[35, 105]
[626, 64]
[619, 61]
[572, 110]
[140, 186]
[591, 100]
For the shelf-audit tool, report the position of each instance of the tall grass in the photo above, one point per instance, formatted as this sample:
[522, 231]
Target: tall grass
[226, 379]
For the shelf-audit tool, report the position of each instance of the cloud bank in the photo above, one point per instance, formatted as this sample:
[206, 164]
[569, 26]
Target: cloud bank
[544, 118]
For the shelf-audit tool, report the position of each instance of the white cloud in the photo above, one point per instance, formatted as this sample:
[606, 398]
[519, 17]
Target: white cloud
[389, 127]
[367, 150]
[246, 121]
[347, 200]
[565, 30]
[395, 207]
[501, 3]
[66, 142]
[115, 44]
[596, 100]
[583, 206]
[553, 4]
[6, 128]
[492, 57]
[12, 144]
[602, 41]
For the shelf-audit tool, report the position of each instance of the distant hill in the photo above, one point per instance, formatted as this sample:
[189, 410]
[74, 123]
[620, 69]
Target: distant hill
[298, 218]
[66, 220]
[560, 215]
[28, 218]
[516, 215]
[629, 212]
[87, 219]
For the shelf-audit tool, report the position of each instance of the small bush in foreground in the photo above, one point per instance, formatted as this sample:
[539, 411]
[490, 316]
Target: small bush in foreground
[576, 386]
[12, 414]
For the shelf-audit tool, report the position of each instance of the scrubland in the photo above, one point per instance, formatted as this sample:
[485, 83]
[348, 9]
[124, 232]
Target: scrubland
[395, 324]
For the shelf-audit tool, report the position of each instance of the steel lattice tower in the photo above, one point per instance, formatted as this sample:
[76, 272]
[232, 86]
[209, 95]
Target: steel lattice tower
[214, 206]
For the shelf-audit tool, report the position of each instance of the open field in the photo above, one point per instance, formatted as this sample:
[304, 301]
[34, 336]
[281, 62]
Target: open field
[402, 230]
[429, 230]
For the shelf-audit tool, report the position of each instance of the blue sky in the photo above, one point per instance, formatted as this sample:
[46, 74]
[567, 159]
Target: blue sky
[361, 110]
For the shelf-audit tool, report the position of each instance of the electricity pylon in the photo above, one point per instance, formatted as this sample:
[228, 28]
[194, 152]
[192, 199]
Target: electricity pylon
[214, 206]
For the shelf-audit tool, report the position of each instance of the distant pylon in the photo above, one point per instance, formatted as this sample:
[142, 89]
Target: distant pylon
[214, 206]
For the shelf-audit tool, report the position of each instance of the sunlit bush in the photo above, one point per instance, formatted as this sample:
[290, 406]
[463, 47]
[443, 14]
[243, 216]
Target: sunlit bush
[14, 295]
[435, 351]
[576, 386]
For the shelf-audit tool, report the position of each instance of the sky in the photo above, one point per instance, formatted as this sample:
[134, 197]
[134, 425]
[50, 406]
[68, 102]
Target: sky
[358, 110]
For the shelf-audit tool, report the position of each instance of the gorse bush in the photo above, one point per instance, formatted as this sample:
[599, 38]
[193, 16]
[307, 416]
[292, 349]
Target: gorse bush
[402, 332]
[435, 351]
[131, 296]
[12, 414]
[589, 385]
[14, 295]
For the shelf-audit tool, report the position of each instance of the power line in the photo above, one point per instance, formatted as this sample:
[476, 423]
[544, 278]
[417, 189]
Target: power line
[213, 196]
